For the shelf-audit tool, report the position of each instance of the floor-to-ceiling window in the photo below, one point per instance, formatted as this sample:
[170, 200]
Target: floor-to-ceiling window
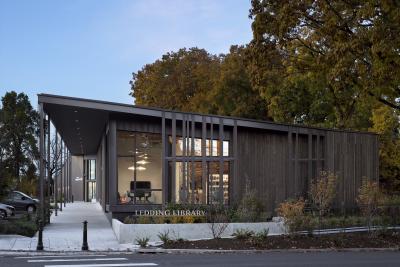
[197, 181]
[139, 168]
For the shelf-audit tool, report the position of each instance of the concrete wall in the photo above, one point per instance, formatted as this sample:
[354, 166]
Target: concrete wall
[77, 178]
[128, 233]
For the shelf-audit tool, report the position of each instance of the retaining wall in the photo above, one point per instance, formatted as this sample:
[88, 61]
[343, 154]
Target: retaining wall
[128, 233]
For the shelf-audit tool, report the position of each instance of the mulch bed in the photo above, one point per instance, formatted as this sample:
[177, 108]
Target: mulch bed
[335, 241]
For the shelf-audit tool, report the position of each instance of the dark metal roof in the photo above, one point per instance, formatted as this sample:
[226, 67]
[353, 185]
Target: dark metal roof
[81, 122]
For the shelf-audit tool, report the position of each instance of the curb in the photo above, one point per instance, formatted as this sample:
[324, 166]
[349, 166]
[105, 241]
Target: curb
[258, 251]
[50, 253]
[192, 251]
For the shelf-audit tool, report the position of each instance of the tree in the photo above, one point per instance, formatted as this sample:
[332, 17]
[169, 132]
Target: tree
[233, 94]
[179, 80]
[369, 198]
[18, 144]
[323, 191]
[194, 80]
[386, 124]
[319, 62]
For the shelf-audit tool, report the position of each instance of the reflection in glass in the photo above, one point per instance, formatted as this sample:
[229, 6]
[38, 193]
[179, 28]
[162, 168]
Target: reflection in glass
[187, 188]
[139, 168]
[212, 147]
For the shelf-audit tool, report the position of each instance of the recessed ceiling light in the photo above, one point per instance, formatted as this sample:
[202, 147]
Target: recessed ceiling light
[76, 120]
[75, 111]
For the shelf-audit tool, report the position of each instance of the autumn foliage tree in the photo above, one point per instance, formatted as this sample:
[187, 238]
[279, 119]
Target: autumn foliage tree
[319, 62]
[369, 198]
[180, 80]
[194, 80]
[323, 191]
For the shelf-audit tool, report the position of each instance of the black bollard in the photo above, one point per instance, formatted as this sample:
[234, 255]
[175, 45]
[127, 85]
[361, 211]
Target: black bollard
[72, 198]
[85, 243]
[40, 238]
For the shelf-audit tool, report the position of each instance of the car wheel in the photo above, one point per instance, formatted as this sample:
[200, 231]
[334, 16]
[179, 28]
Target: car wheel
[3, 214]
[30, 209]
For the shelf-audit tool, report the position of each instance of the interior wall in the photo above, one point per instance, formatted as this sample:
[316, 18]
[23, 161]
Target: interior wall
[77, 177]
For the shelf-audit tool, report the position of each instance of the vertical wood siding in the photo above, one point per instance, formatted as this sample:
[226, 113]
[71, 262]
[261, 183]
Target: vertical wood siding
[278, 164]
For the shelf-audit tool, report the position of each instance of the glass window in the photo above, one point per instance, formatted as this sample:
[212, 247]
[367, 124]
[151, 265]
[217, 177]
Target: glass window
[212, 147]
[188, 185]
[139, 168]
[214, 182]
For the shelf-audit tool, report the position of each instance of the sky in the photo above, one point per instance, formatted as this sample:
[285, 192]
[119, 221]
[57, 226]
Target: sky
[89, 48]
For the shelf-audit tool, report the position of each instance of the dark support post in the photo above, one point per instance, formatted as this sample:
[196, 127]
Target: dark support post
[221, 159]
[55, 174]
[235, 159]
[173, 169]
[85, 245]
[61, 173]
[65, 175]
[309, 164]
[41, 177]
[164, 165]
[192, 155]
[184, 156]
[69, 178]
[203, 158]
[48, 186]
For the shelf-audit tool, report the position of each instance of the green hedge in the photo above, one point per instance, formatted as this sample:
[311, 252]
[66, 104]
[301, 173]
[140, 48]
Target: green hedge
[18, 227]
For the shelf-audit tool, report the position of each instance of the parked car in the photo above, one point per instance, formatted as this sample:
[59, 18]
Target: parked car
[6, 211]
[21, 201]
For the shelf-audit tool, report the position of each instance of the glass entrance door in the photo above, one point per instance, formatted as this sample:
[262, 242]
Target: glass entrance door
[89, 166]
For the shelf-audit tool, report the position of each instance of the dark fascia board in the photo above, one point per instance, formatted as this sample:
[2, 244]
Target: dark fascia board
[197, 117]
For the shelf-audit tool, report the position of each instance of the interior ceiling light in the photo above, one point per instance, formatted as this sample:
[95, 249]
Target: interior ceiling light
[143, 162]
[139, 168]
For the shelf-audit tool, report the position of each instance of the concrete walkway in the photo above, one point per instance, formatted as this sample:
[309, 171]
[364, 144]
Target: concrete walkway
[65, 231]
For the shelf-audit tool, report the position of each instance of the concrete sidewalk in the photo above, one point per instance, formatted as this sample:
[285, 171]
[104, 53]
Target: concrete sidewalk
[65, 231]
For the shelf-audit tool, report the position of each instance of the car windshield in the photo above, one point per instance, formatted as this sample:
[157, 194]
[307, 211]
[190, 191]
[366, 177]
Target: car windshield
[25, 195]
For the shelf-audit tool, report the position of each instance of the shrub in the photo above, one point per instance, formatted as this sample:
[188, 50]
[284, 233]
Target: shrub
[129, 220]
[262, 235]
[142, 242]
[369, 198]
[158, 219]
[323, 191]
[250, 207]
[19, 227]
[259, 238]
[164, 237]
[217, 220]
[293, 214]
[144, 220]
[243, 233]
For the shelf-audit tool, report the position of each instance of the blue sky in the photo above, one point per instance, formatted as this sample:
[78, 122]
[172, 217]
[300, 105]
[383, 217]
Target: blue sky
[89, 48]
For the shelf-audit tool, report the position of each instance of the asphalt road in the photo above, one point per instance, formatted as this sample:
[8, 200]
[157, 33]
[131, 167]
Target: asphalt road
[342, 259]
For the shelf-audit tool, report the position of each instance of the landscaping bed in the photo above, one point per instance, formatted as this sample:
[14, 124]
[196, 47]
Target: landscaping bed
[387, 239]
[19, 225]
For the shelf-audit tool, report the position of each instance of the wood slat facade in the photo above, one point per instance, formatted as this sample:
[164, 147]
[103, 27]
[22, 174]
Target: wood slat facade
[278, 160]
